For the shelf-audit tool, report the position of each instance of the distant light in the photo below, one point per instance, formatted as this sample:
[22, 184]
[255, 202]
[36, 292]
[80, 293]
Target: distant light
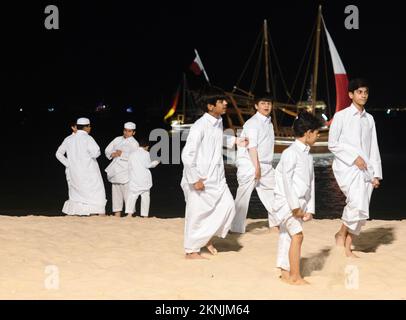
[388, 111]
[129, 110]
[324, 117]
[21, 109]
[51, 109]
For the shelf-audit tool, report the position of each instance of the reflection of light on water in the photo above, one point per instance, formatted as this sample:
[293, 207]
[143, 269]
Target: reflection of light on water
[322, 160]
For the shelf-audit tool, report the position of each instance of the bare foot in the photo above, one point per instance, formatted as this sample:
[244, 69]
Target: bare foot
[130, 215]
[211, 249]
[298, 281]
[117, 214]
[194, 255]
[351, 254]
[340, 241]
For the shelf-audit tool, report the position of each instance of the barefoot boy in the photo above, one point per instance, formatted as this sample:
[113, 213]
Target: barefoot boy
[254, 164]
[209, 203]
[357, 162]
[294, 195]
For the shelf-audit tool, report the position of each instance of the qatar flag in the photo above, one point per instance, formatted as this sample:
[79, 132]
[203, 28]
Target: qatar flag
[197, 66]
[340, 75]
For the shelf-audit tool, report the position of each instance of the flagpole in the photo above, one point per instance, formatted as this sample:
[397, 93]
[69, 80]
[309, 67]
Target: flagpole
[204, 70]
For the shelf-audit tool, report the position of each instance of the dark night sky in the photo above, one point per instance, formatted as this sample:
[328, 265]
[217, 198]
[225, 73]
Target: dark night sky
[129, 53]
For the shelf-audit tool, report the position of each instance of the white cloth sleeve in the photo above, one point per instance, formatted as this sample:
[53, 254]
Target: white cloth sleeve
[93, 148]
[342, 151]
[288, 168]
[375, 157]
[109, 150]
[60, 154]
[189, 154]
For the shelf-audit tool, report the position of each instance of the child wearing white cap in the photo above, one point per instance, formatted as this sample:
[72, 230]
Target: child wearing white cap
[86, 189]
[119, 151]
[140, 183]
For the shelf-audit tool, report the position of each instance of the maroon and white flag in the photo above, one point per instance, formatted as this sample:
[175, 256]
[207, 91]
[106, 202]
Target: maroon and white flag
[197, 66]
[340, 75]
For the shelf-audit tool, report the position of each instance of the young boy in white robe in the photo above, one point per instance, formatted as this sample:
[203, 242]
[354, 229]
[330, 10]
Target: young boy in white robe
[86, 192]
[254, 164]
[294, 196]
[140, 179]
[119, 151]
[357, 162]
[210, 206]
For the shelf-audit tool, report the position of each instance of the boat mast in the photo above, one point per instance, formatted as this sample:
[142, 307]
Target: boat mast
[268, 85]
[266, 42]
[316, 62]
[184, 97]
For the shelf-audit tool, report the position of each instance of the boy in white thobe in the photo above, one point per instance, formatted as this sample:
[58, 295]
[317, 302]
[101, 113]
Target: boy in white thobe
[210, 206]
[139, 165]
[86, 192]
[357, 162]
[117, 172]
[294, 196]
[254, 165]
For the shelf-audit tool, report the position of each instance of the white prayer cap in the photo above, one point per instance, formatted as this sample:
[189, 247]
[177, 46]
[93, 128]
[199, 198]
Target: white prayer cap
[83, 121]
[129, 125]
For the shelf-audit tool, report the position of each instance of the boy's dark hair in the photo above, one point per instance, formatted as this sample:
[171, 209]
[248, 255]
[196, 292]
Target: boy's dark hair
[82, 126]
[143, 142]
[263, 97]
[209, 95]
[357, 83]
[305, 121]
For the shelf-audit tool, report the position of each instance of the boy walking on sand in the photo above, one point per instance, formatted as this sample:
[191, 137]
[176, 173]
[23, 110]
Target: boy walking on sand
[294, 196]
[357, 162]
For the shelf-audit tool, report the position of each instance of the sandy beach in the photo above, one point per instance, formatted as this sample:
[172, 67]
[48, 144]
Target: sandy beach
[111, 258]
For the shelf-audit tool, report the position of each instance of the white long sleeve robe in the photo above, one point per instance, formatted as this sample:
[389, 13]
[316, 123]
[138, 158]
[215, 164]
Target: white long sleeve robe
[117, 170]
[353, 134]
[209, 212]
[86, 192]
[294, 177]
[295, 188]
[139, 165]
[259, 131]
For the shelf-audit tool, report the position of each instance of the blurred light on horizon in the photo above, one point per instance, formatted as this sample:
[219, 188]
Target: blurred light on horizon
[129, 110]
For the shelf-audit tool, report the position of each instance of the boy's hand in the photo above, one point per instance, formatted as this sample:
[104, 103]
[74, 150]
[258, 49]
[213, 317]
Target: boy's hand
[116, 154]
[298, 213]
[257, 173]
[307, 217]
[376, 183]
[242, 142]
[360, 163]
[199, 185]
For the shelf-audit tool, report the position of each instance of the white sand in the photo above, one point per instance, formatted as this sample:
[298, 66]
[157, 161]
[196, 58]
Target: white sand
[111, 258]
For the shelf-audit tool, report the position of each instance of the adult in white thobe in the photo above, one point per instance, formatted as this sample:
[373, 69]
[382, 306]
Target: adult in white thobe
[209, 212]
[260, 133]
[117, 171]
[140, 180]
[352, 135]
[86, 192]
[294, 189]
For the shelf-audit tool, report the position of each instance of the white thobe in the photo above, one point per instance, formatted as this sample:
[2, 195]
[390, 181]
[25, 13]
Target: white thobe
[294, 177]
[86, 192]
[209, 212]
[117, 171]
[139, 165]
[353, 134]
[259, 131]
